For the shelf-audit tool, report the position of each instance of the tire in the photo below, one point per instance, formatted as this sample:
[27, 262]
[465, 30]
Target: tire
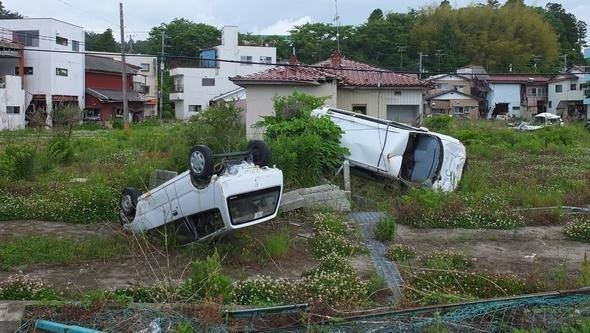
[258, 153]
[128, 202]
[200, 163]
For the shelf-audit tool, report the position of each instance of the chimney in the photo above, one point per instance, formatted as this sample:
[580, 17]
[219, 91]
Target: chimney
[336, 59]
[229, 36]
[293, 59]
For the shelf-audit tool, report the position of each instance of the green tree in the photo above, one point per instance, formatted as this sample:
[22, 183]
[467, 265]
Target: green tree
[571, 32]
[376, 15]
[183, 37]
[7, 14]
[104, 42]
[282, 43]
[314, 42]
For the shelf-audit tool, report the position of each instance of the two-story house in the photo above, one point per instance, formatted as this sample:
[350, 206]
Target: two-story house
[12, 94]
[348, 84]
[516, 95]
[566, 93]
[195, 87]
[54, 62]
[104, 90]
[451, 94]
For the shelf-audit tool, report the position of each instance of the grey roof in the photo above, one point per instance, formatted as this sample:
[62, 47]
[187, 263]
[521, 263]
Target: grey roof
[113, 96]
[107, 65]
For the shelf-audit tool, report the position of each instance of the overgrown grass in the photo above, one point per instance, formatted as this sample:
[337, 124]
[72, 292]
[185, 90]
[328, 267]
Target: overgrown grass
[385, 229]
[50, 250]
[277, 245]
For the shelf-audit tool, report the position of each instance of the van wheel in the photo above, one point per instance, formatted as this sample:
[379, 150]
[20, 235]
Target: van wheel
[129, 197]
[258, 152]
[200, 163]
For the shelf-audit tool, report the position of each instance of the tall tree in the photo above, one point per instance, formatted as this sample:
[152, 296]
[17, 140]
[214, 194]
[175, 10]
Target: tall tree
[104, 42]
[571, 32]
[316, 41]
[7, 14]
[183, 37]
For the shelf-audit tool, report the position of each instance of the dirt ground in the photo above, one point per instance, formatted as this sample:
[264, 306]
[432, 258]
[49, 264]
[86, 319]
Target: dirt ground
[149, 264]
[527, 252]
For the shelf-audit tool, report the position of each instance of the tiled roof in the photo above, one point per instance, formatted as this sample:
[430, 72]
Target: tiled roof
[563, 77]
[113, 96]
[522, 79]
[347, 72]
[107, 65]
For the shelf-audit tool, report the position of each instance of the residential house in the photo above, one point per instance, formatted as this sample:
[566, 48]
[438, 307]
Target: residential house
[346, 83]
[516, 95]
[446, 82]
[145, 81]
[53, 62]
[12, 94]
[452, 102]
[196, 86]
[586, 86]
[479, 87]
[566, 93]
[104, 90]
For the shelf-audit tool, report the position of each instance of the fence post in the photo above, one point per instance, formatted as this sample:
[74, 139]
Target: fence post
[346, 173]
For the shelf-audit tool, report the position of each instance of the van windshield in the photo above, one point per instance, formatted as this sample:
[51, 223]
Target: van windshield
[422, 158]
[252, 206]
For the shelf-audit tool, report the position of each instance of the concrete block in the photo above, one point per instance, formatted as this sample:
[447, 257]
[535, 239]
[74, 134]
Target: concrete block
[11, 315]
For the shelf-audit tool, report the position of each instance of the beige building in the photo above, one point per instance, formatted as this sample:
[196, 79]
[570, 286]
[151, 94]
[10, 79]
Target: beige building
[348, 84]
[454, 103]
[446, 82]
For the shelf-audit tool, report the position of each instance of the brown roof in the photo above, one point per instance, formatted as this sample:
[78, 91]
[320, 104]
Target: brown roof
[107, 65]
[347, 72]
[517, 78]
[563, 77]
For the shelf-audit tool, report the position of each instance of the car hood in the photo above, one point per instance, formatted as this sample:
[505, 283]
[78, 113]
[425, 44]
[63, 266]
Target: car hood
[451, 171]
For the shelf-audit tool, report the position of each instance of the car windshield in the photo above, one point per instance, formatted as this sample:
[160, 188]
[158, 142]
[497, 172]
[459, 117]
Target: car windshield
[422, 158]
[254, 205]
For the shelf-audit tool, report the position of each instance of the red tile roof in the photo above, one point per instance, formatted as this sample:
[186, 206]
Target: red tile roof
[347, 72]
[518, 79]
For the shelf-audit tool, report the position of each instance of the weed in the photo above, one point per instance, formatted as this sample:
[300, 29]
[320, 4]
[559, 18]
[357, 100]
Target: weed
[385, 229]
[585, 271]
[277, 245]
[400, 252]
[207, 281]
[578, 228]
[447, 260]
[24, 287]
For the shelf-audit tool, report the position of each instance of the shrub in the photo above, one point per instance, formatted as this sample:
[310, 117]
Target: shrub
[578, 228]
[303, 146]
[385, 229]
[22, 287]
[440, 123]
[277, 245]
[447, 259]
[60, 150]
[400, 252]
[207, 281]
[18, 162]
[221, 127]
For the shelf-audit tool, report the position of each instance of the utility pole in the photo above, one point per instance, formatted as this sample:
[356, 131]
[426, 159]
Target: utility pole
[401, 50]
[420, 64]
[161, 91]
[337, 20]
[124, 71]
[439, 54]
[565, 62]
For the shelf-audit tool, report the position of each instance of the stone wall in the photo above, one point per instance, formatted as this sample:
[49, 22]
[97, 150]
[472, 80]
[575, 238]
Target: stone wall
[318, 196]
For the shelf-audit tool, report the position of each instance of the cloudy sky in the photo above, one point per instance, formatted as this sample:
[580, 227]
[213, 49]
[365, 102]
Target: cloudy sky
[256, 16]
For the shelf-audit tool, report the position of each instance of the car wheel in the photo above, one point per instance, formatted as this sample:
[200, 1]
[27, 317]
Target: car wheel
[129, 197]
[200, 163]
[258, 152]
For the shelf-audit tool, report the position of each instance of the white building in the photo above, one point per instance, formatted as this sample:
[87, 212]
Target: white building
[51, 79]
[566, 93]
[12, 94]
[194, 88]
[146, 80]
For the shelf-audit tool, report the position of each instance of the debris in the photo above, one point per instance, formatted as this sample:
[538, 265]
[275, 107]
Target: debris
[51, 326]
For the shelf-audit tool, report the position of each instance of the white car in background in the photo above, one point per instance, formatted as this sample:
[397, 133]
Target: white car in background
[413, 155]
[210, 199]
[540, 121]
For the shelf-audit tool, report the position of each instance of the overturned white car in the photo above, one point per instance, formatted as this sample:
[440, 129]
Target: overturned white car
[210, 199]
[391, 149]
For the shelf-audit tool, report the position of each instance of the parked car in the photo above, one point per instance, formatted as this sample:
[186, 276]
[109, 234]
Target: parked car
[539, 121]
[413, 155]
[209, 199]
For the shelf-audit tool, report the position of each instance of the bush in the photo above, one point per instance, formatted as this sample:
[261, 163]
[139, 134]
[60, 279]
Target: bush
[400, 252]
[447, 259]
[439, 123]
[221, 127]
[18, 162]
[385, 229]
[303, 146]
[60, 150]
[207, 281]
[23, 287]
[578, 229]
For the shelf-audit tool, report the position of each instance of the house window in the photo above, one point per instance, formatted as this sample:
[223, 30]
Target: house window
[402, 113]
[61, 71]
[362, 109]
[533, 92]
[550, 104]
[460, 87]
[397, 93]
[27, 70]
[558, 88]
[13, 109]
[119, 113]
[246, 60]
[178, 84]
[61, 41]
[208, 82]
[266, 60]
[444, 86]
[26, 37]
[91, 115]
[145, 67]
[515, 108]
[573, 86]
[75, 46]
[194, 108]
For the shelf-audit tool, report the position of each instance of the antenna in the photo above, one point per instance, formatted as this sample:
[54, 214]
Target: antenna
[337, 20]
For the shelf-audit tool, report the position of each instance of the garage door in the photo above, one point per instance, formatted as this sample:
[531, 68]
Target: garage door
[402, 113]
